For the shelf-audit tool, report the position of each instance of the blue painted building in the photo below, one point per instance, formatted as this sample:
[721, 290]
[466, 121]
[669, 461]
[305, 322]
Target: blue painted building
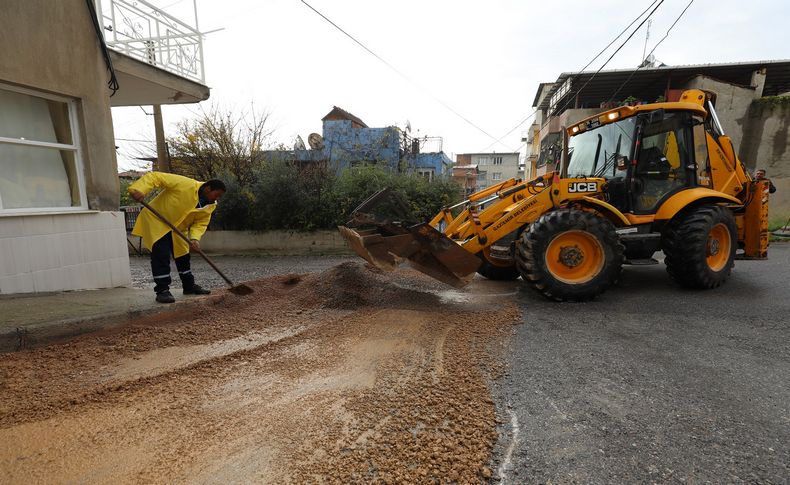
[348, 142]
[433, 164]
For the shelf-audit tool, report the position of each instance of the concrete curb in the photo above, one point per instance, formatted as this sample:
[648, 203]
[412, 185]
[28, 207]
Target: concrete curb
[41, 334]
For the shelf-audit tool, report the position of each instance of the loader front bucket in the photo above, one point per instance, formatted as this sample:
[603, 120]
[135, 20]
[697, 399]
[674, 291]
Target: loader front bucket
[426, 249]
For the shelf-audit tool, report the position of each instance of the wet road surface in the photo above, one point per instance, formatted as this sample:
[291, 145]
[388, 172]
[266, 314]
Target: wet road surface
[652, 383]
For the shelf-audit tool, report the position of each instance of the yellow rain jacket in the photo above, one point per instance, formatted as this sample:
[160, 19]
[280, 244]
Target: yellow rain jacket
[177, 202]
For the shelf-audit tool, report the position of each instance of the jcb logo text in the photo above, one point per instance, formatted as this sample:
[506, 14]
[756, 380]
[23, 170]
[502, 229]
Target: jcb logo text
[583, 187]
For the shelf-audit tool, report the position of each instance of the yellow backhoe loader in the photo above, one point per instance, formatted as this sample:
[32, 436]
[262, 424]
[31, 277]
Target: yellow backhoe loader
[632, 181]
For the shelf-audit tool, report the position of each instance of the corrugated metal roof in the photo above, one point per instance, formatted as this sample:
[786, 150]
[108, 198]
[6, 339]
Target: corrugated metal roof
[537, 93]
[651, 82]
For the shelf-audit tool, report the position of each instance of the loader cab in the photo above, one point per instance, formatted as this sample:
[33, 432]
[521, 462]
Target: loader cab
[645, 158]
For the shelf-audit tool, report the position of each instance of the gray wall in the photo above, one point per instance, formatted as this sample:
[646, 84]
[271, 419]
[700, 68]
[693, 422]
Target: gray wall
[732, 104]
[52, 46]
[760, 129]
[766, 128]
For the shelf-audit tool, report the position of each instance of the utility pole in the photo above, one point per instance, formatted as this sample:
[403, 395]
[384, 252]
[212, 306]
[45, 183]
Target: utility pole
[161, 164]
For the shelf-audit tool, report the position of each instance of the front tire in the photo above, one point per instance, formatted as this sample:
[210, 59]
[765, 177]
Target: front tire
[700, 247]
[569, 254]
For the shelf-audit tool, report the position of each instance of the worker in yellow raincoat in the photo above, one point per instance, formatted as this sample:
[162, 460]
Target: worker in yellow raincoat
[188, 205]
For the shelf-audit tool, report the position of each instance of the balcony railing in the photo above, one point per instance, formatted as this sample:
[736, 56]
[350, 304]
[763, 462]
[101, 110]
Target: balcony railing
[140, 30]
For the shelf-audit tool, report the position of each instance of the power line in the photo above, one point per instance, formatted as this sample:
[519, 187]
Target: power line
[651, 52]
[407, 78]
[499, 140]
[511, 131]
[135, 140]
[570, 98]
[620, 34]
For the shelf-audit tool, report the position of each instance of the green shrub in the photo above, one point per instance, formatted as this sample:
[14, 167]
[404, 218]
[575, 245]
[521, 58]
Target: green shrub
[286, 197]
[235, 209]
[126, 199]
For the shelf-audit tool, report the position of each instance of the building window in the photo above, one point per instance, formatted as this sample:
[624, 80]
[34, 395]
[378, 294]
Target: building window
[496, 161]
[496, 175]
[40, 165]
[482, 161]
[426, 172]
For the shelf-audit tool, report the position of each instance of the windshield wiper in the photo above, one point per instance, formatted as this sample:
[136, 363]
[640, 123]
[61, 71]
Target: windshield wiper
[610, 158]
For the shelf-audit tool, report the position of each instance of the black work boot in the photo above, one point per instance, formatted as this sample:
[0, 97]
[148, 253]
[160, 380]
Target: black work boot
[165, 297]
[196, 290]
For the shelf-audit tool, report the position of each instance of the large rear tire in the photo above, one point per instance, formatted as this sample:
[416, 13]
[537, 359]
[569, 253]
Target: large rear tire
[700, 246]
[569, 254]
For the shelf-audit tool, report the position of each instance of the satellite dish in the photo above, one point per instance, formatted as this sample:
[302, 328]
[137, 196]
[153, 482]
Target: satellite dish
[316, 141]
[299, 143]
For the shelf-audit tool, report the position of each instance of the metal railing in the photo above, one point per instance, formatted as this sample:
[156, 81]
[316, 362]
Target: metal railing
[142, 31]
[130, 213]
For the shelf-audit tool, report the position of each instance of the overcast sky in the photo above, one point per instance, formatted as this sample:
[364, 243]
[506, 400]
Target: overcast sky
[483, 60]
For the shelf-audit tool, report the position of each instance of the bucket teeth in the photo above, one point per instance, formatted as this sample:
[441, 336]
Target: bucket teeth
[426, 250]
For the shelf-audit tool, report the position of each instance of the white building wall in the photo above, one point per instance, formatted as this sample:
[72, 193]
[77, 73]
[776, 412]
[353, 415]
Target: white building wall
[57, 252]
[486, 163]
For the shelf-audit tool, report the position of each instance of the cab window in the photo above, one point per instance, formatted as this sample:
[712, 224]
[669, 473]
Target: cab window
[661, 161]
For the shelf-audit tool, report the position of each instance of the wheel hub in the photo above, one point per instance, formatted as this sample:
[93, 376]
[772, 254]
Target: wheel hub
[571, 256]
[713, 247]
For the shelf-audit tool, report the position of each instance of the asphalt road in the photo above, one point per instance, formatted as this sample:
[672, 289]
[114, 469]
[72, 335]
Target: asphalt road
[652, 383]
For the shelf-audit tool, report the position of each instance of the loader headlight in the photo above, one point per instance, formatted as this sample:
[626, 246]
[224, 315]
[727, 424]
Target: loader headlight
[575, 129]
[613, 116]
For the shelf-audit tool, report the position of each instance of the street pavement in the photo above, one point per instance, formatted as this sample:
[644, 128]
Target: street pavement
[648, 383]
[652, 383]
[32, 320]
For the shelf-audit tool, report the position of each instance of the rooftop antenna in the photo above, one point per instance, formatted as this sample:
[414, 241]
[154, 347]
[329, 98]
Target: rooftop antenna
[647, 36]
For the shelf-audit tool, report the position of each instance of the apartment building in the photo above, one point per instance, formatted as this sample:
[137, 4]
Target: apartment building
[491, 168]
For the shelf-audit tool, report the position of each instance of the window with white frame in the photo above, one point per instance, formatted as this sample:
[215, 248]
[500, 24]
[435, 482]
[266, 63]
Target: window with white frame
[496, 161]
[426, 172]
[482, 161]
[40, 166]
[496, 175]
